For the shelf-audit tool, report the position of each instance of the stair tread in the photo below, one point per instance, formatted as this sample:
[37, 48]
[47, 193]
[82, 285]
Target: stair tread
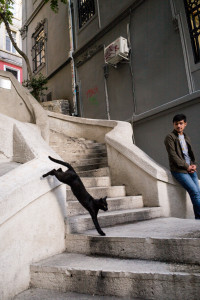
[117, 212]
[97, 171]
[112, 187]
[89, 167]
[88, 160]
[159, 228]
[114, 198]
[74, 262]
[125, 197]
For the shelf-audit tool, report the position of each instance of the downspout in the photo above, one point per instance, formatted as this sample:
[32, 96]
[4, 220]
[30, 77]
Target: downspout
[106, 74]
[132, 75]
[73, 73]
[98, 13]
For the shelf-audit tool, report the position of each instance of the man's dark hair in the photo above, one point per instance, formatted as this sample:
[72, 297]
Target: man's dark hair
[179, 117]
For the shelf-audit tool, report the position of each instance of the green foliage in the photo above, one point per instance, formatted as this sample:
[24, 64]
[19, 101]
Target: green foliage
[54, 4]
[36, 86]
[6, 10]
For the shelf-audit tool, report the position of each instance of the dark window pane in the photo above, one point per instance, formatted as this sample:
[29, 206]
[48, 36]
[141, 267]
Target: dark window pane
[192, 8]
[38, 49]
[86, 9]
[14, 72]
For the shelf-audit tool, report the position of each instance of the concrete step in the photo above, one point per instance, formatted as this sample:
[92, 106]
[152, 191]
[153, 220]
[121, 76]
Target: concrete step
[68, 147]
[81, 223]
[89, 162]
[45, 294]
[120, 203]
[96, 181]
[98, 192]
[101, 172]
[80, 155]
[117, 277]
[71, 141]
[71, 153]
[91, 166]
[161, 239]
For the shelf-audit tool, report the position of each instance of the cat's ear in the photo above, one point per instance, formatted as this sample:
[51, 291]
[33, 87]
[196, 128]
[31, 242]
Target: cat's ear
[104, 199]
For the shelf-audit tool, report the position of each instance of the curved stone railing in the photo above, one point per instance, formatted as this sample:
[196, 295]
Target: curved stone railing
[16, 102]
[128, 164]
[32, 210]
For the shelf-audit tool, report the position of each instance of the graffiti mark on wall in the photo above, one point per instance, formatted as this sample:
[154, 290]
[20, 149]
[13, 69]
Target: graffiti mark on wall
[91, 95]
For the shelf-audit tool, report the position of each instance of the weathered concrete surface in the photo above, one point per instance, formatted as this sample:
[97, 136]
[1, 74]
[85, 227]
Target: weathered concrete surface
[163, 239]
[42, 294]
[19, 104]
[157, 228]
[58, 106]
[120, 277]
[6, 165]
[82, 223]
[32, 210]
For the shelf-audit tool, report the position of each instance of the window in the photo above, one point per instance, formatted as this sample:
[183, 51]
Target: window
[14, 71]
[86, 9]
[9, 45]
[14, 9]
[38, 49]
[192, 8]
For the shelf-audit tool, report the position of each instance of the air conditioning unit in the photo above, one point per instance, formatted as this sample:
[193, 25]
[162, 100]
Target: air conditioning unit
[116, 51]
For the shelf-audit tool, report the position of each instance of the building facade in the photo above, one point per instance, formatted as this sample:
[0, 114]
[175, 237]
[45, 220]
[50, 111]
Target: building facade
[46, 41]
[10, 60]
[159, 78]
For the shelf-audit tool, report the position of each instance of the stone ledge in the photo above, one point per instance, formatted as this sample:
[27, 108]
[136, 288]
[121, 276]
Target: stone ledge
[58, 106]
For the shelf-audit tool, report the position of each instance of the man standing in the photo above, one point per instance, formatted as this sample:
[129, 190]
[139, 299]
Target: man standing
[182, 161]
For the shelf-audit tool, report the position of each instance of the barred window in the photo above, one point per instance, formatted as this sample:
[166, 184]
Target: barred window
[38, 48]
[86, 9]
[192, 8]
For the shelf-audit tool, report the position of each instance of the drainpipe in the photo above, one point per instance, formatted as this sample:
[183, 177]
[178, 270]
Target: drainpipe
[73, 73]
[98, 13]
[106, 74]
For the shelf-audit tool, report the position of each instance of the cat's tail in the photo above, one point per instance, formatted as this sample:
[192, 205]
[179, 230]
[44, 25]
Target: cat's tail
[61, 163]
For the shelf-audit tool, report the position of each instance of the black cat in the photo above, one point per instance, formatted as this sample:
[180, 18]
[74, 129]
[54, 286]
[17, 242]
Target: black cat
[71, 178]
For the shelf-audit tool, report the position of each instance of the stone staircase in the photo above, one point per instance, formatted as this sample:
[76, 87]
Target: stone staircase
[89, 159]
[158, 258]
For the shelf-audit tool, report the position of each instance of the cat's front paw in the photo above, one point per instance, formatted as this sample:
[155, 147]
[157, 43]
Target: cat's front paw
[102, 233]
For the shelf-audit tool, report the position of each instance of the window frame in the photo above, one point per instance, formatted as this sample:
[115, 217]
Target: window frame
[41, 27]
[12, 48]
[14, 69]
[81, 26]
[195, 41]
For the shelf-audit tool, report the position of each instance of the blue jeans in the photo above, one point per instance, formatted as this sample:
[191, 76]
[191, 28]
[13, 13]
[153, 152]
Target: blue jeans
[190, 182]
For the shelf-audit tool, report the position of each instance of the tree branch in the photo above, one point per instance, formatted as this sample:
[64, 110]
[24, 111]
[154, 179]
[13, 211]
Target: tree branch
[25, 57]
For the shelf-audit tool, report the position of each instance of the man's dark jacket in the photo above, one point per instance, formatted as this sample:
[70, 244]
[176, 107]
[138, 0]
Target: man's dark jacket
[176, 157]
